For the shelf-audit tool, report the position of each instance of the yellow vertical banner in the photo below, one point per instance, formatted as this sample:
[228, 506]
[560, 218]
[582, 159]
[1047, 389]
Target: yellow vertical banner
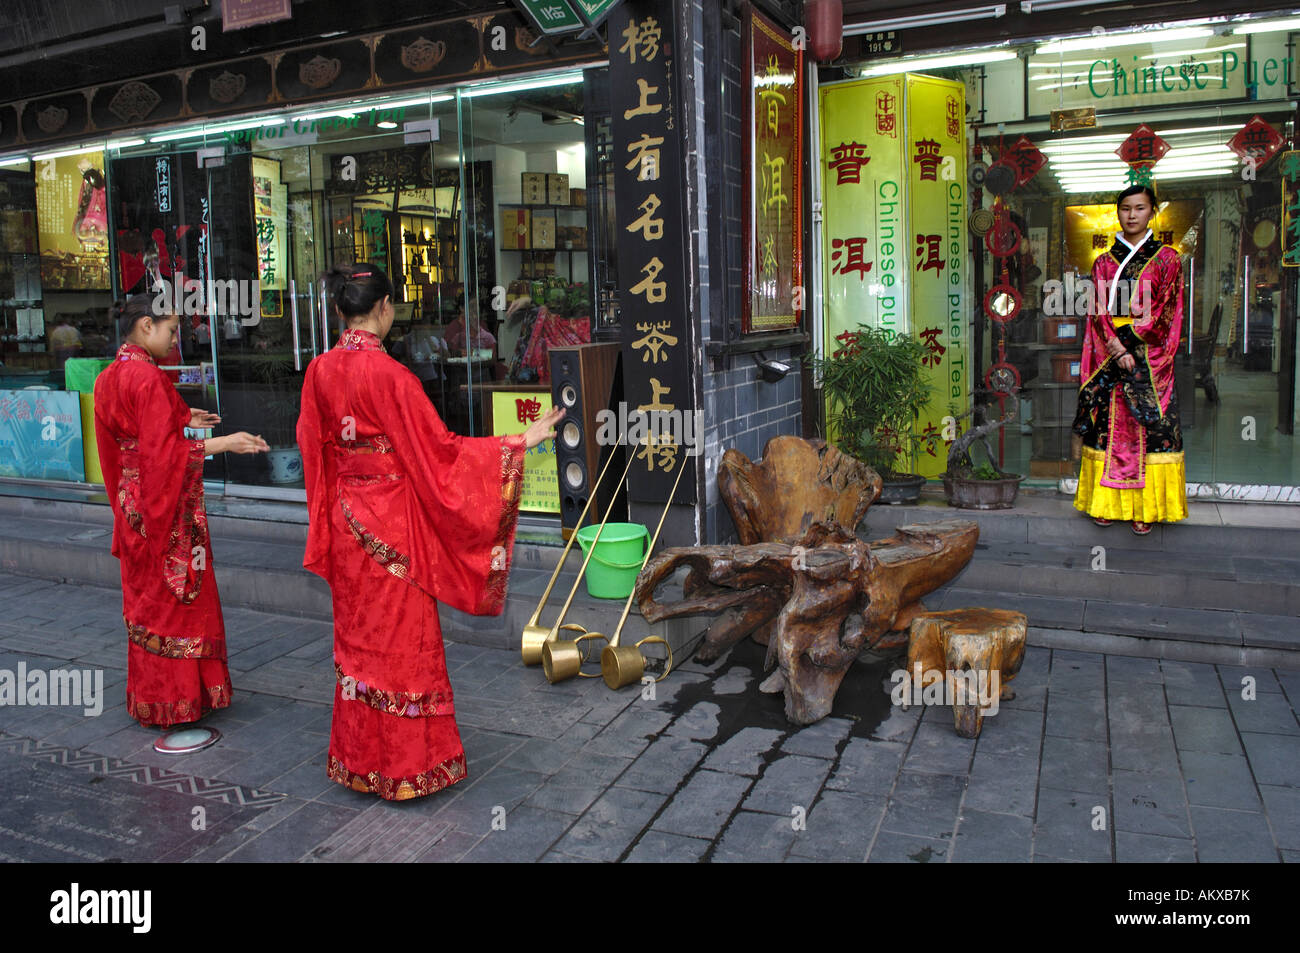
[935, 156]
[271, 223]
[864, 257]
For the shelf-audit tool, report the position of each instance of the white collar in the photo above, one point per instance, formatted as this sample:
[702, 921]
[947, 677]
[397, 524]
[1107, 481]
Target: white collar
[1119, 237]
[1132, 250]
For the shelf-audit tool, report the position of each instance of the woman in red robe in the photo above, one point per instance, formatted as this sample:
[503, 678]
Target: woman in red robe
[404, 514]
[1132, 466]
[176, 649]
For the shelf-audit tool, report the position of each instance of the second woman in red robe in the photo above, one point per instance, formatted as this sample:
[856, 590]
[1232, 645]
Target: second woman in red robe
[404, 514]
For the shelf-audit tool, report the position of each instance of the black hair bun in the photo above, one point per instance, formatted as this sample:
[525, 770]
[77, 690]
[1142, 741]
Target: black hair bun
[356, 289]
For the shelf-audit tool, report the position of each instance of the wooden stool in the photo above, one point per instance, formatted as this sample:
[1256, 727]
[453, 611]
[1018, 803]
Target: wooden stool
[968, 655]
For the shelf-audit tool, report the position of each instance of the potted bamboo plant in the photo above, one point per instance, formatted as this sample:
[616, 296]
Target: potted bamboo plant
[982, 487]
[875, 393]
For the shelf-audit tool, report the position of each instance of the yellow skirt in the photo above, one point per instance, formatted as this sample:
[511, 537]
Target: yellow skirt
[1162, 500]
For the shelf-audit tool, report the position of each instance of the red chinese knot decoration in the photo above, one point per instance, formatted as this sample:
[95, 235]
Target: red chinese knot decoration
[1024, 159]
[1142, 150]
[1256, 141]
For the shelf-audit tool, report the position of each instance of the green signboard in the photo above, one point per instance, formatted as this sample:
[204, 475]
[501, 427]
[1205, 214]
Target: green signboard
[593, 11]
[552, 16]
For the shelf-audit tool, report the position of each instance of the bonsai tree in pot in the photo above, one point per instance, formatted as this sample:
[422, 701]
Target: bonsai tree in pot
[875, 392]
[982, 487]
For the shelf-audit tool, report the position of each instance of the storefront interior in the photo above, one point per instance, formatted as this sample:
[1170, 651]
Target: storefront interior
[475, 195]
[1207, 89]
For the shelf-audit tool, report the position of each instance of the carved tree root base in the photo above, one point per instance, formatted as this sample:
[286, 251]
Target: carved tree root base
[974, 652]
[838, 596]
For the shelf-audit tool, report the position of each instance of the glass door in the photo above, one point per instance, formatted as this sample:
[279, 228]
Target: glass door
[368, 182]
[1239, 338]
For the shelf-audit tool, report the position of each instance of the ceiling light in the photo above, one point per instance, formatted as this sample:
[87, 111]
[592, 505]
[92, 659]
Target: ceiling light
[1107, 40]
[63, 153]
[990, 11]
[14, 160]
[1270, 26]
[1029, 6]
[492, 89]
[123, 143]
[193, 133]
[340, 114]
[971, 58]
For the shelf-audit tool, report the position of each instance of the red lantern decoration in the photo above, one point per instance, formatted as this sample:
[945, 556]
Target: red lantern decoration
[825, 28]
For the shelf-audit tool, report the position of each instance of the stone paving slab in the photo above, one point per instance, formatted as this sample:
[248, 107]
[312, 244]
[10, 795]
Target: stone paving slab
[1184, 761]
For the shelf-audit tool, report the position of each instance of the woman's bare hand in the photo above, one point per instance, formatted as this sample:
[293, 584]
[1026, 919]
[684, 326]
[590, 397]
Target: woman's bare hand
[203, 419]
[235, 443]
[1126, 363]
[243, 442]
[543, 428]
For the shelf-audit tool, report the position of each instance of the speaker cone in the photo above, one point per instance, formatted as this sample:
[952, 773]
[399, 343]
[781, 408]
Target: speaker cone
[568, 395]
[574, 475]
[571, 435]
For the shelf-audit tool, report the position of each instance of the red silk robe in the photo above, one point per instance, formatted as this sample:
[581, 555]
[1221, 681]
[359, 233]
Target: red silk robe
[176, 651]
[1133, 466]
[404, 514]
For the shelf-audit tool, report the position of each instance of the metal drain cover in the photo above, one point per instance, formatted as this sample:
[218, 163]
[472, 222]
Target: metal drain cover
[186, 740]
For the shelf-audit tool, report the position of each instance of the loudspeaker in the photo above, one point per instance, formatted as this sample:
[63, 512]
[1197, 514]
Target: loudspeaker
[585, 379]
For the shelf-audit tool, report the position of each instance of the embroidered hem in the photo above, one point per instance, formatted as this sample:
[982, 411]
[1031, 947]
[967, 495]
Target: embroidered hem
[512, 475]
[168, 646]
[1162, 500]
[166, 714]
[393, 560]
[400, 789]
[401, 704]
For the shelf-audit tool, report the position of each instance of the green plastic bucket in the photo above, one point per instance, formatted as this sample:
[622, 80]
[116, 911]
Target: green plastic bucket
[612, 571]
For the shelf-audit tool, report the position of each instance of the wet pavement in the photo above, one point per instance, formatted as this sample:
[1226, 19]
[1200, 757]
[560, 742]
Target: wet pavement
[1098, 758]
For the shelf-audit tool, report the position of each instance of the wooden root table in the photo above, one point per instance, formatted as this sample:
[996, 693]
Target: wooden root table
[971, 655]
[835, 595]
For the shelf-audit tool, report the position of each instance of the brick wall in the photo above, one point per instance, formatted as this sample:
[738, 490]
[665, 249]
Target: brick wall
[740, 410]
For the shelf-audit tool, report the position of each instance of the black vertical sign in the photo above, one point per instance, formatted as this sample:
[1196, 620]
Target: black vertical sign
[649, 180]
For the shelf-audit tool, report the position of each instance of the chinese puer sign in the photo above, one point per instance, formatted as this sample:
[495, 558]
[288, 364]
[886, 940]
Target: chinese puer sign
[893, 167]
[865, 252]
[648, 190]
[936, 207]
[774, 183]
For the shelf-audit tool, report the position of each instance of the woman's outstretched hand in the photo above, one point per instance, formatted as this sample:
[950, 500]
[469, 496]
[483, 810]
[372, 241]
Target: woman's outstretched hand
[543, 428]
[203, 419]
[241, 442]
